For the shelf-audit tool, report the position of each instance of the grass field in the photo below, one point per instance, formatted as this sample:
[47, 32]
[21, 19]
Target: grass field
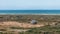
[20, 24]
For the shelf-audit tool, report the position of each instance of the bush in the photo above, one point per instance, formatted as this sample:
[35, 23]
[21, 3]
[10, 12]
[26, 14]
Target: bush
[1, 32]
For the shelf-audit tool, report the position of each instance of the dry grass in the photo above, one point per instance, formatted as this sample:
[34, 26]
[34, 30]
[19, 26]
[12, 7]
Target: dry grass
[11, 24]
[17, 24]
[6, 26]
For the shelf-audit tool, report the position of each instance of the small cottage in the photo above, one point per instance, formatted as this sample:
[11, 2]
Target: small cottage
[33, 21]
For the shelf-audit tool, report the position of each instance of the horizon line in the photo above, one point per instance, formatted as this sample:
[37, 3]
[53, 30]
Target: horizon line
[25, 14]
[22, 9]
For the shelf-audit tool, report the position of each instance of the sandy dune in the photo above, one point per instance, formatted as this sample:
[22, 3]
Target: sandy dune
[24, 25]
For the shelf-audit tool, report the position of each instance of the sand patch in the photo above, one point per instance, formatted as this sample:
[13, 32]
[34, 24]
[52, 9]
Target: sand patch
[24, 25]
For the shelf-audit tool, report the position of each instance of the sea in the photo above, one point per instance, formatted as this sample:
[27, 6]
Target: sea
[27, 12]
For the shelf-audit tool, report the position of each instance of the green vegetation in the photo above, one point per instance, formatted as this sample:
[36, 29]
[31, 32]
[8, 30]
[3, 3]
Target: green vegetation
[45, 29]
[16, 27]
[40, 30]
[2, 29]
[1, 33]
[26, 18]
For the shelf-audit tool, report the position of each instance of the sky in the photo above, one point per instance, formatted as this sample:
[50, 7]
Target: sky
[29, 4]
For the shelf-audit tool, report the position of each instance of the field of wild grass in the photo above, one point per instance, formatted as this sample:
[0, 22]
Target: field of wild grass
[43, 19]
[41, 30]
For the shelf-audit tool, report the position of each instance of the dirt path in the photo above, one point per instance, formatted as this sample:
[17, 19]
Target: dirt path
[19, 30]
[17, 24]
[24, 25]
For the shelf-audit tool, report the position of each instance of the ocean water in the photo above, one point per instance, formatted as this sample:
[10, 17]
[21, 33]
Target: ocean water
[46, 12]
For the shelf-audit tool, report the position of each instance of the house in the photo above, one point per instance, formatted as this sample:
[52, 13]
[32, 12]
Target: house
[33, 21]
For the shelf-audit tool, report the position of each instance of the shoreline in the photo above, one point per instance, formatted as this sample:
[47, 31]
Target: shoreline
[26, 14]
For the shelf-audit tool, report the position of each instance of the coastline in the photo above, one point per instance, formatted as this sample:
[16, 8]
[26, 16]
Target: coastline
[26, 14]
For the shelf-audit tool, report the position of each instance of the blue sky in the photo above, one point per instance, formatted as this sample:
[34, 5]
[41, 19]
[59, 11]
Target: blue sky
[29, 4]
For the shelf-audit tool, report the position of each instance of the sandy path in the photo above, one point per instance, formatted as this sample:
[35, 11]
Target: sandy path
[24, 25]
[17, 24]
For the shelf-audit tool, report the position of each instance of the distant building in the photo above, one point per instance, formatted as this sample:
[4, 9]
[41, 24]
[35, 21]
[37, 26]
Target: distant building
[33, 21]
